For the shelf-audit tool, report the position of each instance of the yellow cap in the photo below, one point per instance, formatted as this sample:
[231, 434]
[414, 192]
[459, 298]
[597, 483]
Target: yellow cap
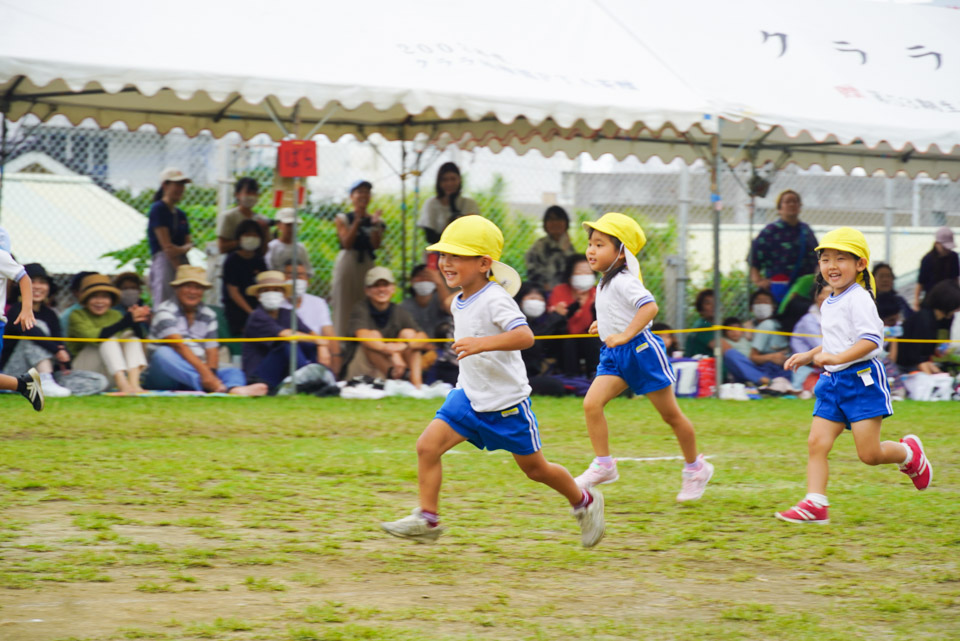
[848, 239]
[476, 236]
[627, 231]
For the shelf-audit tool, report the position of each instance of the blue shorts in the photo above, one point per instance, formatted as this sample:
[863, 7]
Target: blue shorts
[642, 363]
[844, 397]
[514, 429]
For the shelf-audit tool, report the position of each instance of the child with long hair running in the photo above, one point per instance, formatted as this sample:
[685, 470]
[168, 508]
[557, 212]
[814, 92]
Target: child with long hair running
[631, 355]
[852, 392]
[490, 406]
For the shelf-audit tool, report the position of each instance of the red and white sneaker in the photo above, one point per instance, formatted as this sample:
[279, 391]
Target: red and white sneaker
[918, 469]
[805, 512]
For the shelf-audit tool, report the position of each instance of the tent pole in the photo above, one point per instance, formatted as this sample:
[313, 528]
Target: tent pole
[716, 143]
[293, 264]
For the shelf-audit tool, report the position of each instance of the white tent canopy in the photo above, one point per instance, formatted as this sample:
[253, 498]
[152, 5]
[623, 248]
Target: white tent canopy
[838, 82]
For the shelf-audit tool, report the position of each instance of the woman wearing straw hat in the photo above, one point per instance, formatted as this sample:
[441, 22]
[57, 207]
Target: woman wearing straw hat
[270, 361]
[168, 233]
[97, 319]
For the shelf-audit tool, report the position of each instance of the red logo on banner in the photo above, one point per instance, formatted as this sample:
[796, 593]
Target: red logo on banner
[298, 158]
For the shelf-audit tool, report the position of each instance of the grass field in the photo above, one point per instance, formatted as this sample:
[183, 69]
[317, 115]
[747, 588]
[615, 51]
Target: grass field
[258, 519]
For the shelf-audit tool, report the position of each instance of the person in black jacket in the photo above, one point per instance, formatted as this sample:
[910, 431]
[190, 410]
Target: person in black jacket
[19, 356]
[936, 314]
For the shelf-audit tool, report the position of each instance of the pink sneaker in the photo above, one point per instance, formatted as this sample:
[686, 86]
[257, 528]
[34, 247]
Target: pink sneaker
[918, 469]
[597, 474]
[805, 512]
[694, 483]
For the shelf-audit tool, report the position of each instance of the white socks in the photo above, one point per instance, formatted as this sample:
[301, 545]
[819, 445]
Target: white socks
[817, 499]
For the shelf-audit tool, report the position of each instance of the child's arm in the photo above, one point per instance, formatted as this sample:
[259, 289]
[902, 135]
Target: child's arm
[802, 358]
[860, 349]
[516, 339]
[25, 318]
[644, 315]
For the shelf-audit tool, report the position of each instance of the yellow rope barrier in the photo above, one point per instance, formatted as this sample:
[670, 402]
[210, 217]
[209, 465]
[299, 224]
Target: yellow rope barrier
[354, 339]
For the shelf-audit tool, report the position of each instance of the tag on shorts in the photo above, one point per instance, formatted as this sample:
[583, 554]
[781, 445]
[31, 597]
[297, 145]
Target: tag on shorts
[642, 346]
[866, 376]
[510, 412]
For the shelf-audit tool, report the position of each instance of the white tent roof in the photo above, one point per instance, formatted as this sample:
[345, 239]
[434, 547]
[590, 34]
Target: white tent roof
[609, 76]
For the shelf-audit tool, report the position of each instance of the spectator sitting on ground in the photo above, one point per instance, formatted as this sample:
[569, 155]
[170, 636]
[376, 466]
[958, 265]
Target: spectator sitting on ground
[447, 205]
[192, 365]
[269, 362]
[575, 298]
[430, 300]
[168, 233]
[131, 293]
[240, 271]
[280, 249]
[547, 258]
[19, 356]
[75, 281]
[375, 318]
[543, 357]
[247, 193]
[884, 279]
[315, 313]
[935, 315]
[808, 324]
[123, 362]
[698, 343]
[768, 352]
[939, 264]
[888, 307]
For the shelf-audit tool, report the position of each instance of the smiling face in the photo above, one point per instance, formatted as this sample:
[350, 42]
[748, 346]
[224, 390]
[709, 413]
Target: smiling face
[380, 293]
[602, 251]
[41, 289]
[360, 198]
[840, 268]
[467, 272]
[190, 295]
[99, 303]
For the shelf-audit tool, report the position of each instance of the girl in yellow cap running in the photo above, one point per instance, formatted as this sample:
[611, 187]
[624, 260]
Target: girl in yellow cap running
[490, 406]
[852, 392]
[631, 355]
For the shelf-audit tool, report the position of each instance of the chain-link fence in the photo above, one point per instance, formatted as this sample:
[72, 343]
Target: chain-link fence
[75, 198]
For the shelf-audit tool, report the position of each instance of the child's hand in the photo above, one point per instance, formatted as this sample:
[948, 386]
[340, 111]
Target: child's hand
[468, 347]
[593, 328]
[797, 360]
[823, 358]
[615, 340]
[25, 319]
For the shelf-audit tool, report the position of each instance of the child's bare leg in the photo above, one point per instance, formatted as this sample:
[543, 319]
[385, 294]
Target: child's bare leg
[435, 440]
[602, 391]
[822, 435]
[866, 434]
[666, 403]
[8, 383]
[539, 469]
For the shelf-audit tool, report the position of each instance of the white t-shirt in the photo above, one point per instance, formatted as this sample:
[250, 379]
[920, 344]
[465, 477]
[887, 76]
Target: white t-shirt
[492, 381]
[847, 318]
[12, 270]
[618, 302]
[279, 252]
[313, 311]
[436, 216]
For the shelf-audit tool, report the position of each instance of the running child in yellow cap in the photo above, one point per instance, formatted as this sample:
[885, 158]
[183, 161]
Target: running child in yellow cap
[852, 392]
[631, 355]
[490, 407]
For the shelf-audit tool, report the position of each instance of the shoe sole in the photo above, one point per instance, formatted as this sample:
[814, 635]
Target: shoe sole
[694, 498]
[789, 520]
[416, 539]
[924, 454]
[599, 498]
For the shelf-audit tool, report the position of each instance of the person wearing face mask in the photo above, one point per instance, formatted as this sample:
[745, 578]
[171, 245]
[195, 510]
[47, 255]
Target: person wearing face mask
[768, 352]
[315, 313]
[575, 299]
[269, 362]
[131, 293]
[123, 362]
[430, 299]
[246, 191]
[542, 359]
[239, 272]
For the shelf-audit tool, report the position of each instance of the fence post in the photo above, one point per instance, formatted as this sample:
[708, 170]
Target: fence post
[683, 217]
[888, 186]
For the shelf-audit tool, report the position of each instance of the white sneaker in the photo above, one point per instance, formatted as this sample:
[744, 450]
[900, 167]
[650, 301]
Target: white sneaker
[597, 474]
[591, 521]
[694, 483]
[51, 389]
[416, 528]
[364, 391]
